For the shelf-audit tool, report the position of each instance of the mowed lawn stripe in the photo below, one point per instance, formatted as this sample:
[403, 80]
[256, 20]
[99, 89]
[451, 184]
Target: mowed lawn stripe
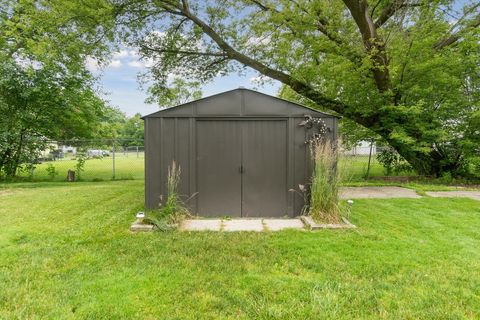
[66, 253]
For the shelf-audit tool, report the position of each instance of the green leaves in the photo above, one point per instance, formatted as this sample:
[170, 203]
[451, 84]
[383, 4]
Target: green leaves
[406, 70]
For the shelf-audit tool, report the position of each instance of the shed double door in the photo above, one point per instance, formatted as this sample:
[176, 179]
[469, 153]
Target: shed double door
[242, 168]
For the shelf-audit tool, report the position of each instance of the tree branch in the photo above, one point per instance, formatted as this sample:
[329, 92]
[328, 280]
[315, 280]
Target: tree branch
[388, 12]
[321, 25]
[453, 38]
[183, 52]
[295, 84]
[261, 5]
[392, 9]
[374, 45]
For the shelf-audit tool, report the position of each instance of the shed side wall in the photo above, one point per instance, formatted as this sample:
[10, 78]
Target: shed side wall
[153, 165]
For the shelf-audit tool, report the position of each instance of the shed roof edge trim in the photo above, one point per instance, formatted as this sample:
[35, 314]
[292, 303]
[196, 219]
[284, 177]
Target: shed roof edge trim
[154, 114]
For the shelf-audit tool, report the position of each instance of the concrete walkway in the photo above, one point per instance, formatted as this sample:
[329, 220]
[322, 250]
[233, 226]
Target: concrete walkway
[377, 193]
[475, 195]
[255, 225]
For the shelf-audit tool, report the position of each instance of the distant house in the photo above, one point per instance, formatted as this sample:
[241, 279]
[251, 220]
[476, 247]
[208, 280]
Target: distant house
[68, 149]
[54, 151]
[363, 148]
[47, 153]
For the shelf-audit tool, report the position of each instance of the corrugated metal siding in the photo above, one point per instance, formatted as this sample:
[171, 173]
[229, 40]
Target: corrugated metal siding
[175, 138]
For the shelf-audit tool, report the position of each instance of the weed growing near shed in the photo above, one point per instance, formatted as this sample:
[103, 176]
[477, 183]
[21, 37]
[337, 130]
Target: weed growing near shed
[173, 211]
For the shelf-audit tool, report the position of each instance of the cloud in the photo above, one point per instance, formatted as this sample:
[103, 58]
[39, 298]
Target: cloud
[115, 64]
[126, 53]
[92, 64]
[136, 64]
[127, 57]
[121, 54]
[142, 63]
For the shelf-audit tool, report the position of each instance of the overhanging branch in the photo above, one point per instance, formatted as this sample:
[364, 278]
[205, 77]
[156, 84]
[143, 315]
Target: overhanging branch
[183, 52]
[295, 84]
[453, 38]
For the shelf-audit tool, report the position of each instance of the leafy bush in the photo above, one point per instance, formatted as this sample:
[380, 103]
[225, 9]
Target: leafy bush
[80, 165]
[392, 162]
[51, 171]
[28, 169]
[324, 197]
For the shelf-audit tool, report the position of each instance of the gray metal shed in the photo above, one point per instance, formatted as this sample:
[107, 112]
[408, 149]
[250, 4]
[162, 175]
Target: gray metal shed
[240, 152]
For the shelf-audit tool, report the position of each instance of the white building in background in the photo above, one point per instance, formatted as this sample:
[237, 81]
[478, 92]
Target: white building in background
[363, 148]
[68, 149]
[45, 153]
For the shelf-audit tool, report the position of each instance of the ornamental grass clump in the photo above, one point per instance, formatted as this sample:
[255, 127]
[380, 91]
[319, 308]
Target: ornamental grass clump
[324, 191]
[173, 211]
[174, 208]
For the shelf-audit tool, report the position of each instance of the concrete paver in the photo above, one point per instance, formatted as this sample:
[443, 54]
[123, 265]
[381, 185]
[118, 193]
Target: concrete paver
[281, 224]
[455, 194]
[377, 193]
[243, 225]
[256, 225]
[202, 225]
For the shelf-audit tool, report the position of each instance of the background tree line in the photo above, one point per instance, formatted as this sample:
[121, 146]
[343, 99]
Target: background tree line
[405, 71]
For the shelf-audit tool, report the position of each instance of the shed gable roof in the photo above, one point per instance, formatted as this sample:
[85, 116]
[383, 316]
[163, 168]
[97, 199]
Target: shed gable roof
[236, 103]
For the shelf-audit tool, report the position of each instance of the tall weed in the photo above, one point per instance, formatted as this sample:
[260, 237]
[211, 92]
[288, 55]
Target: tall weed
[324, 190]
[173, 210]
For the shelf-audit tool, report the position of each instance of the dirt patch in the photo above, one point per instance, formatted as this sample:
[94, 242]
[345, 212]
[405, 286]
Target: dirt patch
[4, 193]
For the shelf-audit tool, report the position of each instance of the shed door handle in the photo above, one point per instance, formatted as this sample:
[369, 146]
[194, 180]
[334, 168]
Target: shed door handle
[240, 169]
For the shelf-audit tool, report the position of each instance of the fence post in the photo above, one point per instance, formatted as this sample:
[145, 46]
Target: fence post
[137, 151]
[113, 159]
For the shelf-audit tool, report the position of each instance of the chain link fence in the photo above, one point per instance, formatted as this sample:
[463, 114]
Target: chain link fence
[123, 159]
[362, 163]
[91, 160]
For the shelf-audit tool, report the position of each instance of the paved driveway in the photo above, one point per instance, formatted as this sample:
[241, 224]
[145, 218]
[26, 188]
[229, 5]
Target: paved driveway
[377, 193]
[475, 195]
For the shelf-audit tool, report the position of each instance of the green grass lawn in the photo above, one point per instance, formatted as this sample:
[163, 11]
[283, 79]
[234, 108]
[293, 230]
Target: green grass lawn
[66, 253]
[126, 167]
[131, 166]
[355, 168]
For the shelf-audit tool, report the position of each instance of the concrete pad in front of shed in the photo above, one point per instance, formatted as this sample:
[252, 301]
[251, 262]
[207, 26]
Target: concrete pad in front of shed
[377, 193]
[202, 225]
[475, 195]
[281, 224]
[243, 225]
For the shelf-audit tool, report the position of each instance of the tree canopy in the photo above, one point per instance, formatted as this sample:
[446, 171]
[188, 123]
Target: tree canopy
[406, 69]
[46, 92]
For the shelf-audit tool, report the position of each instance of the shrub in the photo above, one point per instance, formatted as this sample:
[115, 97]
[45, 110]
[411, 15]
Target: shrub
[324, 190]
[29, 170]
[392, 162]
[80, 165]
[51, 171]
